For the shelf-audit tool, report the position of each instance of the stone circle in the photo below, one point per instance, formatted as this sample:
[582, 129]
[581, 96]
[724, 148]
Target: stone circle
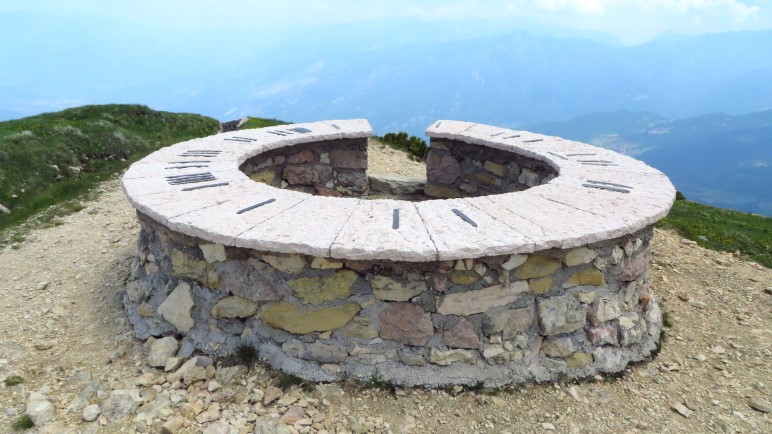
[525, 259]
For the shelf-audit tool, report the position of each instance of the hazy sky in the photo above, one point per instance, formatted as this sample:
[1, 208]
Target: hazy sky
[630, 21]
[163, 53]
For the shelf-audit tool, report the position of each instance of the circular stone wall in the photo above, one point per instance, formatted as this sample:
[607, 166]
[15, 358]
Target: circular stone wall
[484, 287]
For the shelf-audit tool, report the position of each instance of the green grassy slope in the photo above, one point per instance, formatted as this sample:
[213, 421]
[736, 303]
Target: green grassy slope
[723, 229]
[53, 157]
[261, 123]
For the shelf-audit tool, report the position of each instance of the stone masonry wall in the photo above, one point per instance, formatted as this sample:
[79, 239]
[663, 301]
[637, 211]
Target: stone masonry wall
[458, 169]
[492, 320]
[327, 168]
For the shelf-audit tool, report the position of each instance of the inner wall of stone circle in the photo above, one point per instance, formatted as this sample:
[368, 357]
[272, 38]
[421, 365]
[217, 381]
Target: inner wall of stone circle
[453, 169]
[492, 320]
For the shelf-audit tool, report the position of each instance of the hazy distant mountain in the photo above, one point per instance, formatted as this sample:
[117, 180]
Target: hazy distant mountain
[715, 159]
[510, 80]
[400, 76]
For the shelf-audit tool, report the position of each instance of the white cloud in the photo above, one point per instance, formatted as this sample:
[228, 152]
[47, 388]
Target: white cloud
[738, 10]
[582, 7]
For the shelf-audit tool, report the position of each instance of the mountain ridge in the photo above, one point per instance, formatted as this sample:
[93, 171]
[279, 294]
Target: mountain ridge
[510, 80]
[716, 159]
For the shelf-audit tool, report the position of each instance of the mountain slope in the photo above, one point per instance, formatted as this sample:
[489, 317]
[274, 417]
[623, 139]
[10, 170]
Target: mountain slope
[51, 157]
[715, 159]
[510, 80]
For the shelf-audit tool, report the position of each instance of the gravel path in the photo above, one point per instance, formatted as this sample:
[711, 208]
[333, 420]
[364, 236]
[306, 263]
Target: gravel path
[64, 333]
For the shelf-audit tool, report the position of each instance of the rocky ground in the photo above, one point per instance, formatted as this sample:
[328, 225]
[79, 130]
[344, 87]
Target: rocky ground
[384, 160]
[65, 340]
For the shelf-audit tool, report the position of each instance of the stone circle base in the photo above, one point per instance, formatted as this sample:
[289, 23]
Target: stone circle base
[494, 320]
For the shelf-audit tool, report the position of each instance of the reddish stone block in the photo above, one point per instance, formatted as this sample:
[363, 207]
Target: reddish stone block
[341, 159]
[322, 191]
[461, 335]
[406, 323]
[307, 175]
[439, 283]
[645, 299]
[356, 181]
[303, 157]
[635, 266]
[444, 169]
[606, 335]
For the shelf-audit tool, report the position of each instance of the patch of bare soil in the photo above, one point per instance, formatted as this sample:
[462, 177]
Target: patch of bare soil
[385, 160]
[64, 333]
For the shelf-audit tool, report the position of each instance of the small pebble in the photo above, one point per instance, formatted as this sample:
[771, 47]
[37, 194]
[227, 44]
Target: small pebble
[91, 412]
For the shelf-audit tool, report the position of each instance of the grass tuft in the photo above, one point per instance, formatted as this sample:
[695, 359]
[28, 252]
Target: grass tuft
[13, 380]
[667, 320]
[246, 355]
[286, 381]
[660, 343]
[24, 422]
[378, 383]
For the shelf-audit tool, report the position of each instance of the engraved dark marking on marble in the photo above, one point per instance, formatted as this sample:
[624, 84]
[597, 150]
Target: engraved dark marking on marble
[609, 183]
[245, 138]
[557, 155]
[186, 167]
[604, 187]
[600, 164]
[205, 153]
[190, 178]
[464, 217]
[257, 205]
[205, 186]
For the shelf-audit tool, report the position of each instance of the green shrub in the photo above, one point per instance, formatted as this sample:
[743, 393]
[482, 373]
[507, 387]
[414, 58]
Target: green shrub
[412, 145]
